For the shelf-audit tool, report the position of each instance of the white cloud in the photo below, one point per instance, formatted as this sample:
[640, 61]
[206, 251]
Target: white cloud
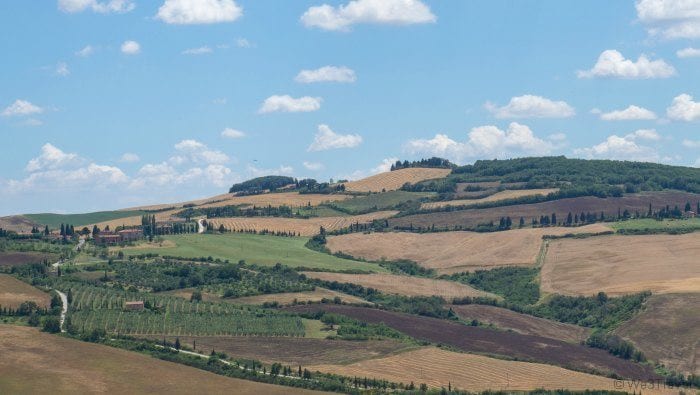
[611, 64]
[128, 157]
[50, 158]
[683, 108]
[483, 141]
[629, 114]
[197, 51]
[623, 148]
[384, 166]
[313, 166]
[232, 133]
[131, 47]
[85, 51]
[688, 53]
[286, 103]
[557, 137]
[389, 12]
[21, 107]
[327, 139]
[691, 143]
[326, 74]
[530, 106]
[196, 152]
[670, 19]
[243, 43]
[283, 170]
[62, 69]
[102, 7]
[190, 12]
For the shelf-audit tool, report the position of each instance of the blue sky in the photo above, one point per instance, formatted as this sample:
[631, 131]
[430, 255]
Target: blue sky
[112, 103]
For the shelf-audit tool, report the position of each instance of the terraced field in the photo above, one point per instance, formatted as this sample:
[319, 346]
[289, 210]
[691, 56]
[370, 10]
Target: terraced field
[621, 265]
[393, 180]
[14, 292]
[496, 197]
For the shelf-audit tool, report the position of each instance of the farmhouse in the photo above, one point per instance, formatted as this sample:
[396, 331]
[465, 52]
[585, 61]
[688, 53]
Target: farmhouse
[134, 306]
[112, 238]
[130, 234]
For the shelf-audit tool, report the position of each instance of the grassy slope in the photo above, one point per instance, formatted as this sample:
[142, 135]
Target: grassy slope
[652, 224]
[261, 250]
[55, 220]
[381, 201]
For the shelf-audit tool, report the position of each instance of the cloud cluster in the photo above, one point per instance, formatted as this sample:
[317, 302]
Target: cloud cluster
[688, 53]
[628, 114]
[683, 108]
[612, 64]
[191, 12]
[531, 106]
[102, 7]
[626, 147]
[197, 51]
[326, 74]
[21, 108]
[327, 139]
[286, 103]
[391, 12]
[670, 19]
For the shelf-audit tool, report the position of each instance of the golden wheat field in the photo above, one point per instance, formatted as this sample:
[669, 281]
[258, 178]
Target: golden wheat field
[452, 252]
[404, 285]
[439, 368]
[303, 227]
[289, 297]
[621, 265]
[14, 292]
[292, 199]
[393, 180]
[496, 197]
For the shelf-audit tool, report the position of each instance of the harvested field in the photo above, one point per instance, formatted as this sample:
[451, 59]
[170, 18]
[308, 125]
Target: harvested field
[453, 252]
[668, 331]
[522, 323]
[11, 258]
[14, 292]
[17, 223]
[38, 363]
[496, 197]
[290, 297]
[296, 351]
[303, 227]
[620, 265]
[393, 180]
[470, 218]
[492, 342]
[404, 285]
[292, 199]
[439, 368]
[380, 201]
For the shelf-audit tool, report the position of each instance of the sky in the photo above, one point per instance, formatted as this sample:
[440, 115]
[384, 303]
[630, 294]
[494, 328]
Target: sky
[107, 104]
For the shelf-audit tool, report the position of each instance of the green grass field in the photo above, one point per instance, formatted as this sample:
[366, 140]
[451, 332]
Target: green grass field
[654, 225]
[256, 249]
[55, 220]
[379, 201]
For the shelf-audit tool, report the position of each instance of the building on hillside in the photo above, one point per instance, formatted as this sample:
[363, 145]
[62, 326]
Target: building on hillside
[107, 238]
[130, 234]
[134, 306]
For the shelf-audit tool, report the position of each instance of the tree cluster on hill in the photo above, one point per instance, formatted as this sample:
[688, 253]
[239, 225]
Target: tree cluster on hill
[433, 162]
[261, 184]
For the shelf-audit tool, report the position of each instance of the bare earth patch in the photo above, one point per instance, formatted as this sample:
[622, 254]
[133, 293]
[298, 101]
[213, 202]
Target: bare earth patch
[496, 197]
[621, 265]
[452, 252]
[403, 285]
[14, 292]
[393, 180]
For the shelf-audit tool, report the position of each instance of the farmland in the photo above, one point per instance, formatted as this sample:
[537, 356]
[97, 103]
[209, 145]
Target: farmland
[10, 258]
[379, 201]
[260, 250]
[14, 292]
[54, 221]
[451, 252]
[289, 297]
[16, 223]
[291, 199]
[522, 323]
[621, 265]
[302, 227]
[393, 180]
[668, 331]
[491, 342]
[470, 218]
[653, 225]
[34, 362]
[403, 285]
[496, 197]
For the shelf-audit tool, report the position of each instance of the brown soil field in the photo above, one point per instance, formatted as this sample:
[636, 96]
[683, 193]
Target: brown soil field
[38, 363]
[668, 331]
[452, 252]
[496, 197]
[17, 223]
[304, 227]
[14, 292]
[522, 323]
[404, 285]
[440, 368]
[472, 217]
[492, 342]
[621, 265]
[11, 258]
[393, 180]
[295, 351]
[289, 297]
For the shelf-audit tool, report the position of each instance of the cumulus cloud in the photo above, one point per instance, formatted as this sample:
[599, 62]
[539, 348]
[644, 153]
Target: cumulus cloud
[51, 157]
[286, 103]
[612, 64]
[191, 12]
[131, 47]
[531, 106]
[282, 170]
[683, 108]
[198, 51]
[326, 74]
[691, 143]
[670, 19]
[129, 157]
[629, 114]
[243, 43]
[624, 148]
[196, 152]
[313, 166]
[20, 108]
[688, 53]
[483, 141]
[386, 12]
[85, 51]
[327, 139]
[102, 7]
[384, 166]
[232, 133]
[62, 69]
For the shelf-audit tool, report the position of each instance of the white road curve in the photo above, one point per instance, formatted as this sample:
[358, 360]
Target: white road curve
[64, 308]
[201, 228]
